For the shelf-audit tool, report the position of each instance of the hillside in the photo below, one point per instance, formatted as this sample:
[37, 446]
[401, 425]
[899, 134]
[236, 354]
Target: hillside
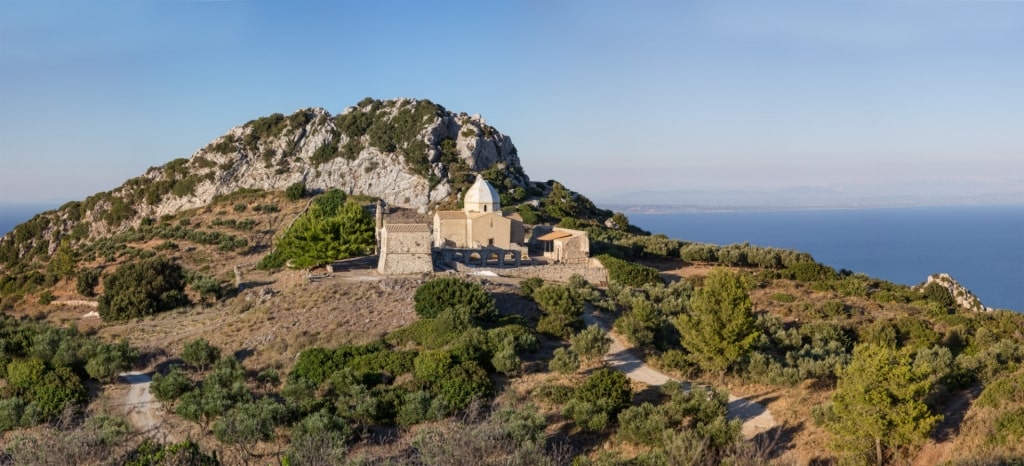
[310, 366]
[410, 153]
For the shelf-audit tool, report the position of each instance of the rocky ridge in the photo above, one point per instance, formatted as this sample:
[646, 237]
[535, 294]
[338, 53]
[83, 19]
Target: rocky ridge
[410, 153]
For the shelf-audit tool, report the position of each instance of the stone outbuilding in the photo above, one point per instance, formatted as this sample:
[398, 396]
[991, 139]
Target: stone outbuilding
[405, 249]
[567, 246]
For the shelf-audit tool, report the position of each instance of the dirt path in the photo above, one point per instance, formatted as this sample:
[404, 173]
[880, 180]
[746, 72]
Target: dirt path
[141, 407]
[622, 357]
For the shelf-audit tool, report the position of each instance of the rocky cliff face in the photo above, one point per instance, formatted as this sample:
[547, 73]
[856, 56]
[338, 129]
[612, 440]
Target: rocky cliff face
[404, 151]
[410, 153]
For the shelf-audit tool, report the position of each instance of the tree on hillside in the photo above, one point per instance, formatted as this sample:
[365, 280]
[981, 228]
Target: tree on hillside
[143, 288]
[200, 353]
[720, 327]
[329, 230]
[878, 404]
[591, 343]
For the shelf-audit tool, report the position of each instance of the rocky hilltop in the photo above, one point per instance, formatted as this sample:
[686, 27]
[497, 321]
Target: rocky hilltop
[410, 153]
[404, 151]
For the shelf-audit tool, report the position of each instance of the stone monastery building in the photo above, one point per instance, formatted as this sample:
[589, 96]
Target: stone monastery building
[480, 223]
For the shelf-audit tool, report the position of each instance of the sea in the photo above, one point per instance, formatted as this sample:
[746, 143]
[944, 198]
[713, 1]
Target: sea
[981, 247]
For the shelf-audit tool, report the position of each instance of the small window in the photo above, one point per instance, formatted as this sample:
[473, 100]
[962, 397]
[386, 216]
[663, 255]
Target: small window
[485, 207]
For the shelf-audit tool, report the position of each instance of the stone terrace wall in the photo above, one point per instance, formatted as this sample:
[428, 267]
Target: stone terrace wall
[554, 272]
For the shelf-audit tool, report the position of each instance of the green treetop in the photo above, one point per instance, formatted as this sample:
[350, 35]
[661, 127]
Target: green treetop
[720, 327]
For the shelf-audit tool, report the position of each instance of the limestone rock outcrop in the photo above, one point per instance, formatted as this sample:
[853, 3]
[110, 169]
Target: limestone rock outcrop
[963, 297]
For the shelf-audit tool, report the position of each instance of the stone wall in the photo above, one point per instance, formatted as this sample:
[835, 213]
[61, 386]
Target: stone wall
[405, 249]
[552, 272]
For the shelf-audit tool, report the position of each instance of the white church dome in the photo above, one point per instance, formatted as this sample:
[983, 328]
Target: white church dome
[481, 197]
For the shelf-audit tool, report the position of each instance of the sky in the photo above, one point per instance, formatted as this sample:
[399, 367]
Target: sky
[879, 98]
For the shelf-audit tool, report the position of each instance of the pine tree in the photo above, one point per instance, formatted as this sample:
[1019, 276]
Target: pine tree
[720, 327]
[878, 403]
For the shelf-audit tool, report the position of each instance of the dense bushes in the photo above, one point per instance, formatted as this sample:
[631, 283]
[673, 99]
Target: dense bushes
[435, 296]
[596, 402]
[295, 191]
[142, 288]
[86, 281]
[45, 369]
[563, 310]
[628, 273]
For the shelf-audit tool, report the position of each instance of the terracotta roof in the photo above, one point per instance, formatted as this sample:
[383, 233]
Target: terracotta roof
[514, 216]
[555, 235]
[407, 228]
[450, 214]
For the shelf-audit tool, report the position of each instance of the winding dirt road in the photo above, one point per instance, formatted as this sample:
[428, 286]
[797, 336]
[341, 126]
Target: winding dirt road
[622, 357]
[139, 403]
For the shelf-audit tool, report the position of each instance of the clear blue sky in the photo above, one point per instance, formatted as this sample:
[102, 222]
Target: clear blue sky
[884, 96]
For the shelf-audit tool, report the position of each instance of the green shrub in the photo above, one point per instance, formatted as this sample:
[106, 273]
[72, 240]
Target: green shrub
[437, 295]
[628, 273]
[142, 288]
[529, 285]
[641, 324]
[249, 422]
[644, 425]
[433, 365]
[110, 360]
[319, 437]
[554, 393]
[200, 353]
[607, 389]
[564, 361]
[295, 191]
[1009, 427]
[171, 386]
[938, 293]
[591, 343]
[811, 272]
[783, 298]
[12, 411]
[46, 297]
[559, 325]
[587, 415]
[832, 308]
[151, 453]
[558, 300]
[58, 389]
[464, 383]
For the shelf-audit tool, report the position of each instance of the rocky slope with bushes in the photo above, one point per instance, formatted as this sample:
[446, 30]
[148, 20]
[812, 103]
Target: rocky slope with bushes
[410, 153]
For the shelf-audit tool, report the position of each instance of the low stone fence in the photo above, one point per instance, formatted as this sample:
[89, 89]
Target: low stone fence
[552, 272]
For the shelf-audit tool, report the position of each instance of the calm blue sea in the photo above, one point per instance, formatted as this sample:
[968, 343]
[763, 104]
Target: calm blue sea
[982, 247]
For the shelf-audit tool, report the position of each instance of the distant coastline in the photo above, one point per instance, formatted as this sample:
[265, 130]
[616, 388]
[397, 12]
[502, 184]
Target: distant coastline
[979, 246]
[668, 208]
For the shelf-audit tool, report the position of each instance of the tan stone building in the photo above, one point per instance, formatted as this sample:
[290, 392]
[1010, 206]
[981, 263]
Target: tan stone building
[480, 223]
[565, 246]
[405, 249]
